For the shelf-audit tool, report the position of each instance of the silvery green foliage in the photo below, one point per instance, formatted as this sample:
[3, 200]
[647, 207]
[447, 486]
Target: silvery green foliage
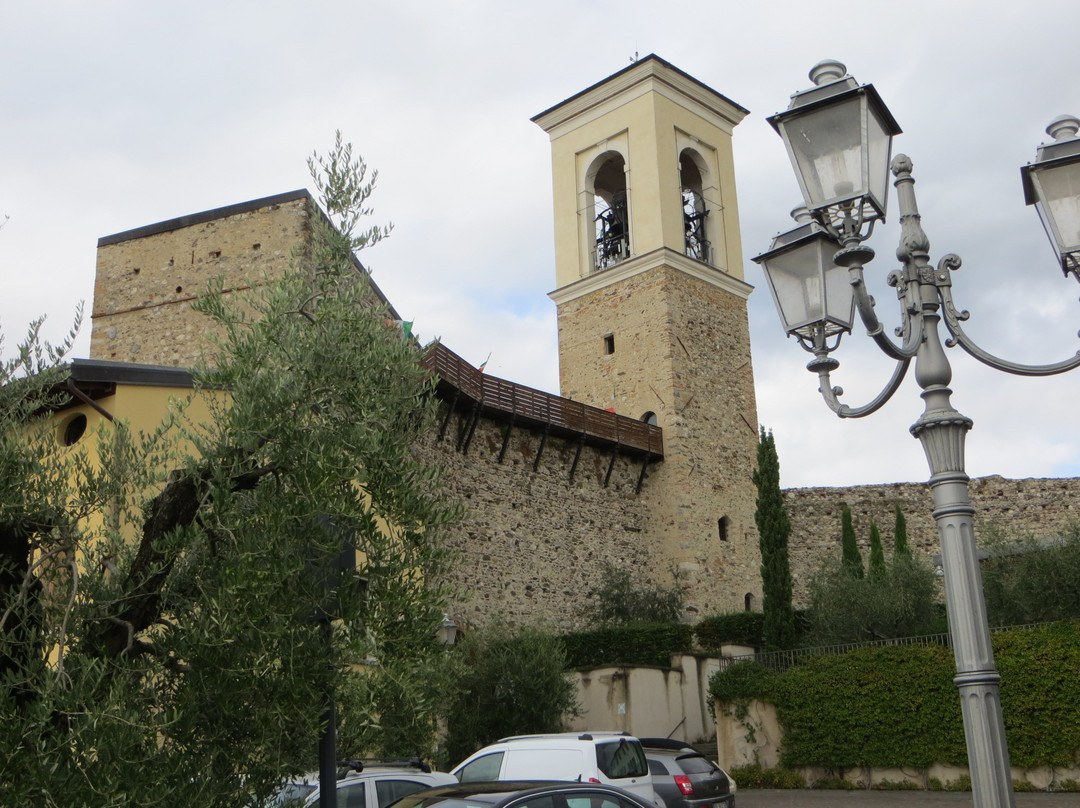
[161, 640]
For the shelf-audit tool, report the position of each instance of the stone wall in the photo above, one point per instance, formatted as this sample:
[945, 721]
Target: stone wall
[147, 278]
[533, 544]
[680, 351]
[1040, 507]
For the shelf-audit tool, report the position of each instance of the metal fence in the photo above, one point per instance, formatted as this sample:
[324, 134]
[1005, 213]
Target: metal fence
[780, 661]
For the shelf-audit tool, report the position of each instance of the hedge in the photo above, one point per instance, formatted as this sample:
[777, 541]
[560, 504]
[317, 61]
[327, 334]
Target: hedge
[640, 644]
[897, 707]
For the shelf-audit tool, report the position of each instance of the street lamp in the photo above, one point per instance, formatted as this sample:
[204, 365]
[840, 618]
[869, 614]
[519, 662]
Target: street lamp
[838, 134]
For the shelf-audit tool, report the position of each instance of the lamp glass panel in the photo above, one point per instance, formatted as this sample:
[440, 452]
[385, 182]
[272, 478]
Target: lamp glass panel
[827, 147]
[804, 285]
[839, 294]
[879, 148]
[1059, 204]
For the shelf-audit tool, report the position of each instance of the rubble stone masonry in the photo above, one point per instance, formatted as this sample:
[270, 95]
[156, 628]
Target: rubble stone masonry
[681, 351]
[1037, 507]
[533, 544]
[147, 278]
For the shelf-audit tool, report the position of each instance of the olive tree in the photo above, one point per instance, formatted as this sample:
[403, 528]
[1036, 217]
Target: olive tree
[160, 598]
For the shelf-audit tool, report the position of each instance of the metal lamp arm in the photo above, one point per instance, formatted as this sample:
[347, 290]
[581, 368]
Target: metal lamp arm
[864, 303]
[953, 318]
[823, 365]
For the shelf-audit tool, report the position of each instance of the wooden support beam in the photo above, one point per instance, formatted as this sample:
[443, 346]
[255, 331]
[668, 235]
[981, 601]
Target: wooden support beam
[451, 406]
[577, 456]
[543, 443]
[506, 438]
[611, 466]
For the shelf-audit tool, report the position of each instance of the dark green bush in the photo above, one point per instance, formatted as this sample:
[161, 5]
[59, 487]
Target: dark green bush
[754, 776]
[743, 681]
[737, 628]
[640, 644]
[897, 707]
[621, 600]
[1040, 693]
[896, 602]
[883, 707]
[512, 683]
[1028, 581]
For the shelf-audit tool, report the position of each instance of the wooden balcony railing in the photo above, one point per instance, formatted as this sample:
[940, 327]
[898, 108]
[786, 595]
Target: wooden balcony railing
[535, 408]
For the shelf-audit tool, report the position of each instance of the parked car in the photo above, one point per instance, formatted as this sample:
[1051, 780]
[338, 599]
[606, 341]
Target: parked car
[614, 759]
[364, 784]
[524, 794]
[685, 778]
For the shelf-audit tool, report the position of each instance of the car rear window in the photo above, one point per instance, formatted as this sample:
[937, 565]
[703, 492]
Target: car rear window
[621, 758]
[696, 764]
[389, 791]
[482, 769]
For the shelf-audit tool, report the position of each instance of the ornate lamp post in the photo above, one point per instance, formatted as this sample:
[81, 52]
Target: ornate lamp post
[838, 134]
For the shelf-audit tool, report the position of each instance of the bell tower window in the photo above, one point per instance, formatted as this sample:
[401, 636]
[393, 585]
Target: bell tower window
[611, 221]
[694, 210]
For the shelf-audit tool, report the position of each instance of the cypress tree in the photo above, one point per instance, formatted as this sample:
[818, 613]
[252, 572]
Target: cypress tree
[900, 543]
[774, 528]
[878, 570]
[851, 557]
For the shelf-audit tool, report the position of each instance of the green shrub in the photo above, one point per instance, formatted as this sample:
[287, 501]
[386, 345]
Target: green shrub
[961, 783]
[512, 683]
[1040, 693]
[896, 785]
[620, 600]
[1028, 581]
[909, 690]
[736, 628]
[896, 602]
[641, 644]
[754, 776]
[743, 681]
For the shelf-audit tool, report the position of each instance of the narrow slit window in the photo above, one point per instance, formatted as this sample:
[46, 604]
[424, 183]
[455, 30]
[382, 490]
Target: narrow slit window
[609, 344]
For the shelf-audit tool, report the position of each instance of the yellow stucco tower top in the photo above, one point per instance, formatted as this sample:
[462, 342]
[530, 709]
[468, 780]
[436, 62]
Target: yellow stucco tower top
[642, 164]
[652, 308]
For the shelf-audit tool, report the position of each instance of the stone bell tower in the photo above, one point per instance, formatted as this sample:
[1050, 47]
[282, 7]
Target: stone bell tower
[652, 308]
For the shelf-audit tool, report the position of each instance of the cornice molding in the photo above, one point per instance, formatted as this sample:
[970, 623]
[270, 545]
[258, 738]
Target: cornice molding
[649, 74]
[640, 264]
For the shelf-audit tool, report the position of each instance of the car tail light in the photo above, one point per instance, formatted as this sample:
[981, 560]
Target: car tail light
[593, 780]
[684, 784]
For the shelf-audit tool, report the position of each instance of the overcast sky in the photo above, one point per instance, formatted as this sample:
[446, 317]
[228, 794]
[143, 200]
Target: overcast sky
[116, 114]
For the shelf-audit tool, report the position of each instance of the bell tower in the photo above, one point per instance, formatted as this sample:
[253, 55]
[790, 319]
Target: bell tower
[652, 308]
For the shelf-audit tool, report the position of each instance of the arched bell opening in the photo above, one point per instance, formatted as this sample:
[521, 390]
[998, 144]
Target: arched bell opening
[695, 212]
[611, 217]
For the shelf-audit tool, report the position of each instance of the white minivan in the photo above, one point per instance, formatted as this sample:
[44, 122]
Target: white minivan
[612, 758]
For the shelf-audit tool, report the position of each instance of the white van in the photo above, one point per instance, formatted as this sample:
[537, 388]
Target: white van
[615, 759]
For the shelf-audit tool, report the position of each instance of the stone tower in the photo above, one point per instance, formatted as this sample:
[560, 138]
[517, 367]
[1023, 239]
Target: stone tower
[147, 278]
[652, 307]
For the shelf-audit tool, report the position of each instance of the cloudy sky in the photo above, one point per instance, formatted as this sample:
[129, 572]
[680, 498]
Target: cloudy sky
[121, 113]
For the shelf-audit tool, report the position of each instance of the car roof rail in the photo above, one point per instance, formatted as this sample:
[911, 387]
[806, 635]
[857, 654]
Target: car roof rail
[665, 743]
[344, 767]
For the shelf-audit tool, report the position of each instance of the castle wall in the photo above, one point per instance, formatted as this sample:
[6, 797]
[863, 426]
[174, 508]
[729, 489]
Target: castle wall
[1040, 507]
[533, 543]
[145, 283]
